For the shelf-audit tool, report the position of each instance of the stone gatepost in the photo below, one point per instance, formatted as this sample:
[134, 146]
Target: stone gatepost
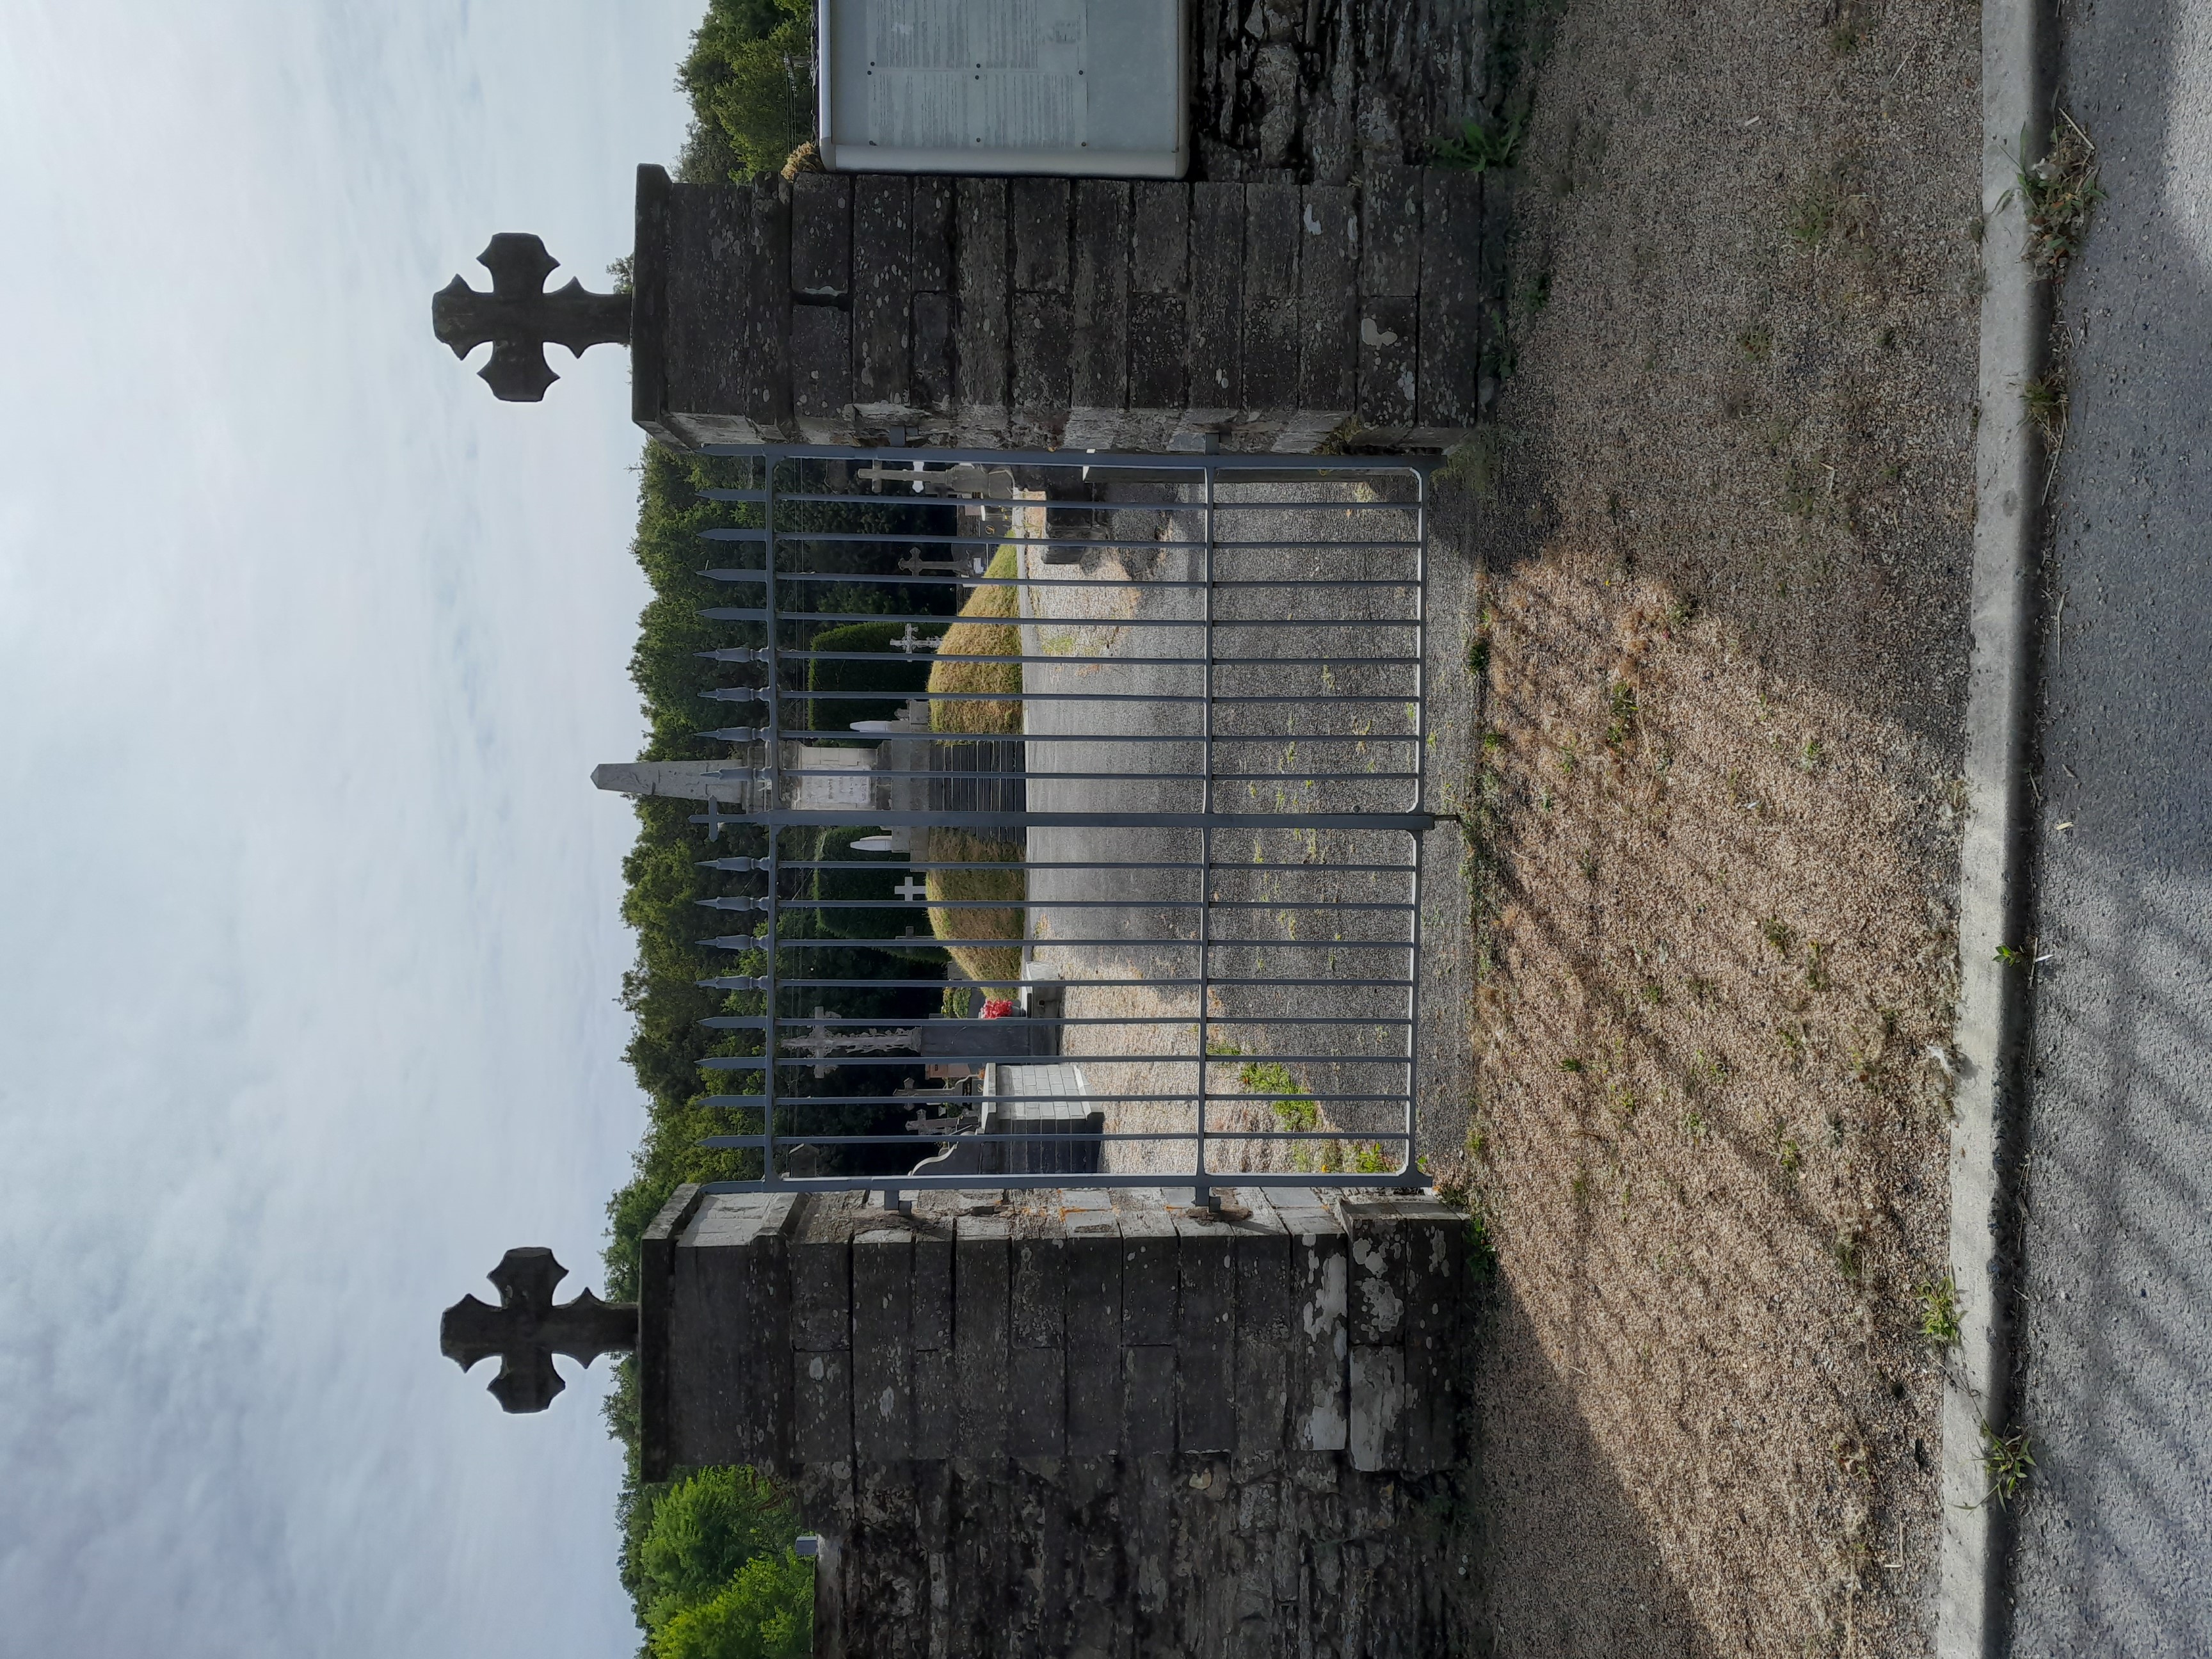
[1027, 313]
[1073, 1422]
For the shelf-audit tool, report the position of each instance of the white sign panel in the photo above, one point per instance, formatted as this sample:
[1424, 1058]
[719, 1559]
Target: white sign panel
[1091, 87]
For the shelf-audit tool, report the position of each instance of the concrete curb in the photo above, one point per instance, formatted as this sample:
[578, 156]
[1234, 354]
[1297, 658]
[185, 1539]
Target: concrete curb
[2017, 39]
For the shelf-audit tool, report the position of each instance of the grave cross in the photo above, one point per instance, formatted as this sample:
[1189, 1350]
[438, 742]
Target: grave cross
[911, 891]
[529, 1328]
[915, 565]
[909, 642]
[520, 318]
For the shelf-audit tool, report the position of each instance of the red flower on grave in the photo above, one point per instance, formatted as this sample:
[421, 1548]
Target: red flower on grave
[997, 1007]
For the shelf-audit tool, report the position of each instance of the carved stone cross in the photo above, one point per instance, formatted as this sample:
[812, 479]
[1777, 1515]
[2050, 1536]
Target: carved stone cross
[911, 891]
[915, 565]
[529, 1328]
[909, 642]
[520, 318]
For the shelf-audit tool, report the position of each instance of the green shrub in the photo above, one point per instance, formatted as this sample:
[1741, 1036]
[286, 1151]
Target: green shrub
[889, 922]
[751, 79]
[702, 1532]
[898, 676]
[766, 1612]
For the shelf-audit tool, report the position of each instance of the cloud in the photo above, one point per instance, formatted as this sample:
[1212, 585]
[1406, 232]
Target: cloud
[306, 649]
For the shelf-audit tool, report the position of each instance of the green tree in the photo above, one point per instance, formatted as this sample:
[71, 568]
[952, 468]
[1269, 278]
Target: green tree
[750, 80]
[766, 1612]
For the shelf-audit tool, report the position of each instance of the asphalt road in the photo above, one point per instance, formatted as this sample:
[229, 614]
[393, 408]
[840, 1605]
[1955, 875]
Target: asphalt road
[2114, 1543]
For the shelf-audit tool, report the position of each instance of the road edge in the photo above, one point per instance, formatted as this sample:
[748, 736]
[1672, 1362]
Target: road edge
[2017, 38]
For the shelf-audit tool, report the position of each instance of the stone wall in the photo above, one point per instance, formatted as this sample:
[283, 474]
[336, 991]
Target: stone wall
[1075, 1421]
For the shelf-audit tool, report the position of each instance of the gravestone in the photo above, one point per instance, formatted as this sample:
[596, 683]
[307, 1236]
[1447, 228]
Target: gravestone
[528, 1327]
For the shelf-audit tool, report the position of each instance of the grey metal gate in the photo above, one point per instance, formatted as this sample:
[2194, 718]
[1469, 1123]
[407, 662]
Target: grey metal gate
[1156, 796]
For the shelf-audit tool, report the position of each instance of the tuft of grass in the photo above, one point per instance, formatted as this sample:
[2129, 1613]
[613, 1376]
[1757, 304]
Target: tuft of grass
[1813, 217]
[1621, 705]
[2057, 194]
[1653, 994]
[2046, 403]
[1776, 933]
[1756, 342]
[1478, 655]
[1845, 1251]
[1814, 756]
[1786, 1153]
[1476, 148]
[1816, 965]
[1580, 1186]
[1700, 989]
[1694, 1126]
[2007, 1460]
[1571, 1063]
[1293, 1109]
[1938, 1299]
[1368, 1157]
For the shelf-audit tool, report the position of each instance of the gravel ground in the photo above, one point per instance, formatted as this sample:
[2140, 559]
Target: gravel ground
[1725, 528]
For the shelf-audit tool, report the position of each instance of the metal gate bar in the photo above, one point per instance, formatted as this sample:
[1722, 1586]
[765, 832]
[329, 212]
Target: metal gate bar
[1238, 593]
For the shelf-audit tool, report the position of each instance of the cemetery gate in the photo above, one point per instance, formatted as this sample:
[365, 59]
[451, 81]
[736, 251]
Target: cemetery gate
[1129, 751]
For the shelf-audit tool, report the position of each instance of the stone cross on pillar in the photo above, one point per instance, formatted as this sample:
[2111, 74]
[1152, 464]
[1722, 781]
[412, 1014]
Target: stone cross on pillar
[518, 318]
[909, 642]
[529, 1328]
[911, 891]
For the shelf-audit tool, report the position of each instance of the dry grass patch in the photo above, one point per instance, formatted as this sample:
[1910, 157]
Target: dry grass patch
[985, 875]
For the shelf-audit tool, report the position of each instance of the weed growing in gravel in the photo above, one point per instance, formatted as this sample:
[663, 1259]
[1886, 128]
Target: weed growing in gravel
[2045, 402]
[1620, 701]
[1815, 213]
[1816, 965]
[2007, 1461]
[1845, 1252]
[1571, 1063]
[1694, 1125]
[1814, 756]
[2057, 194]
[1756, 342]
[1776, 933]
[1939, 1310]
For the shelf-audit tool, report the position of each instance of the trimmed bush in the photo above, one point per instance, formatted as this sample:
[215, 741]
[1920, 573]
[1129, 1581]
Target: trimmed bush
[898, 676]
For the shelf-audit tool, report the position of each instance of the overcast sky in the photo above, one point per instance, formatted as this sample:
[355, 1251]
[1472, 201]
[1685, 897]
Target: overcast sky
[309, 909]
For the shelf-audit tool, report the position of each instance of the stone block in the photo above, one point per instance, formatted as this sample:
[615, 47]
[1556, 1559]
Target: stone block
[1436, 1267]
[931, 371]
[1390, 231]
[936, 1404]
[821, 1272]
[656, 1272]
[730, 1368]
[981, 1307]
[1036, 1422]
[1045, 340]
[821, 235]
[1039, 211]
[981, 314]
[1159, 237]
[822, 1406]
[1100, 295]
[1320, 1344]
[1216, 296]
[883, 286]
[1451, 299]
[1378, 1300]
[1094, 1336]
[1268, 346]
[1159, 342]
[1263, 1328]
[1148, 1268]
[883, 1348]
[820, 361]
[1377, 1403]
[727, 325]
[1328, 257]
[932, 235]
[931, 1309]
[1389, 343]
[1148, 1400]
[1206, 1335]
